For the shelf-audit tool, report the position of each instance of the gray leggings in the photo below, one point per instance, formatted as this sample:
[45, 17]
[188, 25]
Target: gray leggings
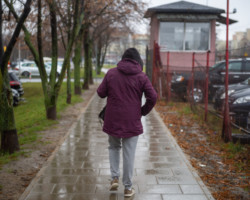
[128, 149]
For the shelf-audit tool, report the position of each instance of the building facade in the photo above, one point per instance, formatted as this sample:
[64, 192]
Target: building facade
[183, 28]
[241, 44]
[123, 41]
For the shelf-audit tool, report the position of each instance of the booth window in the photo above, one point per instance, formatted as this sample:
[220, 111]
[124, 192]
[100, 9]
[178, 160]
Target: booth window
[180, 36]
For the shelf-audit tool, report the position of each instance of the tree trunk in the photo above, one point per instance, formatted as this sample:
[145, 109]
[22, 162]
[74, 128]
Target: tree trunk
[50, 105]
[51, 112]
[51, 96]
[99, 55]
[91, 81]
[54, 47]
[87, 59]
[103, 55]
[98, 61]
[75, 31]
[9, 138]
[77, 62]
[68, 100]
[68, 84]
[40, 62]
[9, 141]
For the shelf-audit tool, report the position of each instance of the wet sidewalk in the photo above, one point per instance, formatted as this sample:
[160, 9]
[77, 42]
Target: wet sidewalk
[79, 168]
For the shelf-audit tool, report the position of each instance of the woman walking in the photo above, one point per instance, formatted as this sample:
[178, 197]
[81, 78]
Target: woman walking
[124, 86]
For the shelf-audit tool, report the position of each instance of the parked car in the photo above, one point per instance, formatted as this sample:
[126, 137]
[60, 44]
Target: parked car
[220, 93]
[28, 68]
[16, 97]
[13, 65]
[59, 67]
[15, 83]
[239, 104]
[239, 70]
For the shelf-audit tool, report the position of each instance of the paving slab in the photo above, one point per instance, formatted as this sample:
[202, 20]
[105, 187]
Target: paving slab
[79, 168]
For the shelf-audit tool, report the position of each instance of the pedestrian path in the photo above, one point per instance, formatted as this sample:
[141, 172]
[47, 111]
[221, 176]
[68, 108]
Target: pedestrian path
[79, 169]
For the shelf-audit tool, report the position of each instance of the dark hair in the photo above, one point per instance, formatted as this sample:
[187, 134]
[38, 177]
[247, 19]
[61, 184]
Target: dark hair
[133, 54]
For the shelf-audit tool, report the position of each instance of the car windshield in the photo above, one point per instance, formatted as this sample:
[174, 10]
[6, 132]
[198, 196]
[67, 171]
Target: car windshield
[49, 64]
[215, 66]
[60, 63]
[246, 82]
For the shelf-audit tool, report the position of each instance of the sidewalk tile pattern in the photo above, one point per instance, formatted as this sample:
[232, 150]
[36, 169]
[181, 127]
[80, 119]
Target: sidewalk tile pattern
[79, 170]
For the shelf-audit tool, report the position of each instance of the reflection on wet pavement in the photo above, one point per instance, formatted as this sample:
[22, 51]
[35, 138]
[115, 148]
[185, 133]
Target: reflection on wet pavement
[79, 170]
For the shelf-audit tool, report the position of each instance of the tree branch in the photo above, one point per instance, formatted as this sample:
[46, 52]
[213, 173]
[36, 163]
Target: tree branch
[7, 53]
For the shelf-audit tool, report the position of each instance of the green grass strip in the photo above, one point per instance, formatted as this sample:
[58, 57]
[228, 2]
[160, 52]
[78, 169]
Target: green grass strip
[30, 116]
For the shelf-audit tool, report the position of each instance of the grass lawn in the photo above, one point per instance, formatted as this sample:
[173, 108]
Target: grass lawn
[109, 66]
[82, 74]
[30, 116]
[213, 126]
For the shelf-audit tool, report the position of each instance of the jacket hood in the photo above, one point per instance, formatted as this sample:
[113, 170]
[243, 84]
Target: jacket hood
[129, 66]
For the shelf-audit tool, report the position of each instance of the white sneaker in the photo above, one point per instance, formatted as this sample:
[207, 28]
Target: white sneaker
[129, 193]
[114, 184]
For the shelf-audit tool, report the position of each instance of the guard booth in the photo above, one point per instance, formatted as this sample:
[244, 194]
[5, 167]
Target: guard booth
[181, 29]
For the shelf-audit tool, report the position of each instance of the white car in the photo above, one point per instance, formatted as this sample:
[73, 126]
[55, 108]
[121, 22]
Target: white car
[59, 67]
[29, 68]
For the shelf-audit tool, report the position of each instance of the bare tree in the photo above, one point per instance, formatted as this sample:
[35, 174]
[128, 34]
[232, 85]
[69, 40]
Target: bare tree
[9, 139]
[101, 20]
[77, 62]
[65, 21]
[52, 86]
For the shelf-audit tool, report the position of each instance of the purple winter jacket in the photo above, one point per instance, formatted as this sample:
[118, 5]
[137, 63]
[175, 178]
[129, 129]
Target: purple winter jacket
[124, 86]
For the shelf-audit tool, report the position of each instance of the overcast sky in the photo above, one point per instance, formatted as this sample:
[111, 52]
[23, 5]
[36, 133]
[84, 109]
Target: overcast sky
[242, 15]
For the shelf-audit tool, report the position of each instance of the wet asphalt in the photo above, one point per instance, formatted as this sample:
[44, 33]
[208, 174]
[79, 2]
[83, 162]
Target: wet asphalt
[79, 168]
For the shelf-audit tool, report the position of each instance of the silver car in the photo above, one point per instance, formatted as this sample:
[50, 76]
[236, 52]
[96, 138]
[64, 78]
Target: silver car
[29, 68]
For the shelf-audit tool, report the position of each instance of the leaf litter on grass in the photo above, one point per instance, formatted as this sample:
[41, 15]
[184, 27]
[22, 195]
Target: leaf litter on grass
[224, 168]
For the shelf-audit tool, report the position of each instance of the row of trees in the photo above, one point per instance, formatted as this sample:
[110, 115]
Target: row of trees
[79, 25]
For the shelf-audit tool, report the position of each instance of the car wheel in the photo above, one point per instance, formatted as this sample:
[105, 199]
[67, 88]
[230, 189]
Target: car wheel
[241, 138]
[26, 74]
[198, 95]
[15, 102]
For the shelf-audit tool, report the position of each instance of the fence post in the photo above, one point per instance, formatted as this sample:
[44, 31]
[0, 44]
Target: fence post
[168, 79]
[147, 63]
[154, 67]
[206, 86]
[192, 81]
